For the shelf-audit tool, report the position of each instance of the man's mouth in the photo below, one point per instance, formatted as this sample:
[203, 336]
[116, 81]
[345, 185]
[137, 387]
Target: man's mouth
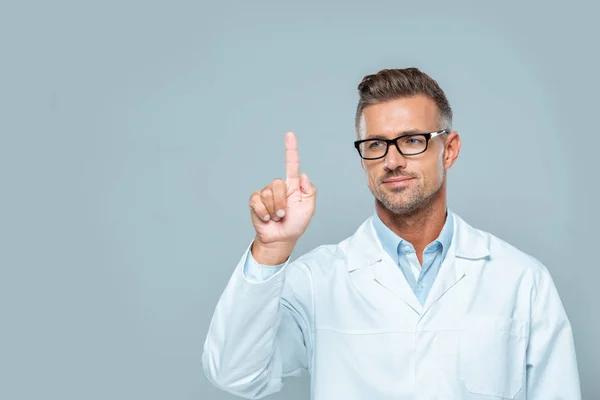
[399, 181]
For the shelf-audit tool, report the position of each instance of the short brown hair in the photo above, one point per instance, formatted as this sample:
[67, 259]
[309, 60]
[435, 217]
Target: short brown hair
[391, 84]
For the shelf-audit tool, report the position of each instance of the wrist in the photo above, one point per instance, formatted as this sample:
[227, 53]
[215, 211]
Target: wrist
[271, 254]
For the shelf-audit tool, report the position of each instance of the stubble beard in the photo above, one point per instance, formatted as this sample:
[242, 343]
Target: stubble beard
[406, 200]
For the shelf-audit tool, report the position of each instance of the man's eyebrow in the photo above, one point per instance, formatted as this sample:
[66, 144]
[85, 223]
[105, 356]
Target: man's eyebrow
[408, 132]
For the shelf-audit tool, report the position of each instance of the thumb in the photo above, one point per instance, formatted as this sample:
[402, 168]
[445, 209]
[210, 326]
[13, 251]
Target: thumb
[306, 185]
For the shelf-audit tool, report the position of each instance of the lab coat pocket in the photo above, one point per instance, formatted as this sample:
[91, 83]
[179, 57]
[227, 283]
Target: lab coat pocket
[492, 356]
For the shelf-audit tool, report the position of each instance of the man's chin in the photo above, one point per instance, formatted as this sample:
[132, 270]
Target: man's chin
[398, 208]
[404, 202]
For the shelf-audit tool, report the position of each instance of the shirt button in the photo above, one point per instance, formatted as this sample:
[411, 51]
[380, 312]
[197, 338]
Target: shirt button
[407, 248]
[421, 284]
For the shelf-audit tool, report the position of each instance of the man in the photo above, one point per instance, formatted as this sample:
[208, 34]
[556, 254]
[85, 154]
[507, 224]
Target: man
[417, 304]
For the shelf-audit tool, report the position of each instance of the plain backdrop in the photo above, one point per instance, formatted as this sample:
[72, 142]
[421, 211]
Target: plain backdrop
[133, 133]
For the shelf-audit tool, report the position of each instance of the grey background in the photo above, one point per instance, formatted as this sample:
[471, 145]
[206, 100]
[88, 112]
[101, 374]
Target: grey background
[133, 132]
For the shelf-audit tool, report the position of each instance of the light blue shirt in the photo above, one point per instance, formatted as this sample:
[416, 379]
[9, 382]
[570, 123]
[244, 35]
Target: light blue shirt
[256, 272]
[420, 278]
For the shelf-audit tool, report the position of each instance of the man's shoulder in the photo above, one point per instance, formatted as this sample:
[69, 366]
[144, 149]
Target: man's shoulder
[511, 262]
[326, 255]
[508, 255]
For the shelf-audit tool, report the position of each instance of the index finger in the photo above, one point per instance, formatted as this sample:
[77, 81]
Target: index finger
[292, 160]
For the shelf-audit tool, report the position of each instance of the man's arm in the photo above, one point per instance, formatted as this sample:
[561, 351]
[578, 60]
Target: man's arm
[260, 331]
[552, 372]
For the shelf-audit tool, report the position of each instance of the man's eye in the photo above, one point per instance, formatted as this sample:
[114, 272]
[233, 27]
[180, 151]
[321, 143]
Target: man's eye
[414, 140]
[376, 145]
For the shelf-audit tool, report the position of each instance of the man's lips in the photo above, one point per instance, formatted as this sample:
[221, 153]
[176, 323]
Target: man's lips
[397, 182]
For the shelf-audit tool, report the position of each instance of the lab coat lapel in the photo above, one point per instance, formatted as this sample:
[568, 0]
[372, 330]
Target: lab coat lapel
[469, 246]
[365, 250]
[451, 272]
[389, 275]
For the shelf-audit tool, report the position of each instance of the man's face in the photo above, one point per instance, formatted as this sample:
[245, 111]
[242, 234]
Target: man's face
[424, 174]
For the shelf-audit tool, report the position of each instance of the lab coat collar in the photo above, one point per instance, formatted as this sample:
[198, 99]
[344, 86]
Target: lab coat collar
[469, 242]
[365, 249]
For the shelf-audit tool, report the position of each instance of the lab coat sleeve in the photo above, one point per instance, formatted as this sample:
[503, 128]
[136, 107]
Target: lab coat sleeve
[255, 272]
[552, 372]
[260, 331]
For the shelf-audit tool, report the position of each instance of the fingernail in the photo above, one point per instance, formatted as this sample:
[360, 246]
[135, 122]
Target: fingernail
[266, 217]
[276, 219]
[280, 213]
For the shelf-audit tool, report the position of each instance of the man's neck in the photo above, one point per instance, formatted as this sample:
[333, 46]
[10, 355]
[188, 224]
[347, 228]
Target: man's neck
[419, 227]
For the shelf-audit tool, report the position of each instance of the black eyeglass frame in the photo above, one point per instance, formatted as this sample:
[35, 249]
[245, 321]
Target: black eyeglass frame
[427, 136]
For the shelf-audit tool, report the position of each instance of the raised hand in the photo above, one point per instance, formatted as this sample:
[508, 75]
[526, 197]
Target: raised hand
[282, 210]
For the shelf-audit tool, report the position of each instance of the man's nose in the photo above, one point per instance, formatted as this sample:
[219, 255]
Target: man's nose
[394, 159]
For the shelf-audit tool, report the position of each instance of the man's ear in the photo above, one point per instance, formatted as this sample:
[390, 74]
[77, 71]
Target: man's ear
[452, 149]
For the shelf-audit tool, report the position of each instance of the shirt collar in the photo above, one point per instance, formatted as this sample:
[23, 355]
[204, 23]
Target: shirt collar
[395, 245]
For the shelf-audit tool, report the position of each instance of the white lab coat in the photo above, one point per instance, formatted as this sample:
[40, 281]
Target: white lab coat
[492, 327]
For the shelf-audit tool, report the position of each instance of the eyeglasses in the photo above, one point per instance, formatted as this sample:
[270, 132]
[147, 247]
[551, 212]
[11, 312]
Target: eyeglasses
[407, 145]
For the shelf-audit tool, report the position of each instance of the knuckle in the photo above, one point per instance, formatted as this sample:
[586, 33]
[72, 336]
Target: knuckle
[254, 200]
[255, 204]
